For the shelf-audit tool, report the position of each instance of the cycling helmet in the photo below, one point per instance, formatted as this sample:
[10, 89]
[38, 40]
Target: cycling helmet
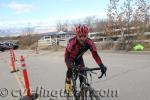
[82, 29]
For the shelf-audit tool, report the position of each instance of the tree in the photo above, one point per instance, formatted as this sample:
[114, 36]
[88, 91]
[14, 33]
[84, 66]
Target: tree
[62, 26]
[143, 12]
[90, 21]
[99, 25]
[119, 13]
[59, 26]
[26, 39]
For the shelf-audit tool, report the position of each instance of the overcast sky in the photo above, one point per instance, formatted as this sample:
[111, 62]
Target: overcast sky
[18, 13]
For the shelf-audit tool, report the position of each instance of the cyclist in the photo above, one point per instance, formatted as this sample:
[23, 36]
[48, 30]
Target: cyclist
[75, 49]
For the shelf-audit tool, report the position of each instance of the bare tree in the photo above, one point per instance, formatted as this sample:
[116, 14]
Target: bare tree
[99, 25]
[143, 12]
[119, 18]
[26, 39]
[124, 14]
[59, 26]
[29, 32]
[65, 26]
[90, 21]
[62, 26]
[113, 18]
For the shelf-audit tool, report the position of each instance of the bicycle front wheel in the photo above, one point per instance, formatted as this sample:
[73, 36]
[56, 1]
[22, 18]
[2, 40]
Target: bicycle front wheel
[92, 94]
[72, 97]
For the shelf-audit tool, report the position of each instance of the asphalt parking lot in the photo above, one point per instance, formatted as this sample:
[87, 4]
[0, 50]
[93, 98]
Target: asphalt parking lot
[127, 76]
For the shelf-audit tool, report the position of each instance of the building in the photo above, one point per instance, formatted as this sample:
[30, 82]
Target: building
[55, 38]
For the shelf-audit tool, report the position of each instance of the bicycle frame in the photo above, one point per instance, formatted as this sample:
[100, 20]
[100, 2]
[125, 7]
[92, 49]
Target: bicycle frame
[74, 78]
[85, 86]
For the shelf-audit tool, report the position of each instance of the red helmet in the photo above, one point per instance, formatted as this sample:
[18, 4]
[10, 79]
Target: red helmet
[82, 29]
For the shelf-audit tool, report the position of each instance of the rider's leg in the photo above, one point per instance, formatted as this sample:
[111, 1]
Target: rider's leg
[68, 87]
[81, 64]
[68, 76]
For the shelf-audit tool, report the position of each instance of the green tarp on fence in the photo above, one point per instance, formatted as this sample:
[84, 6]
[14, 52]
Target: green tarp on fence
[138, 47]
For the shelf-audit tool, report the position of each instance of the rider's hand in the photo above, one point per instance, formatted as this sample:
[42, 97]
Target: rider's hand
[103, 69]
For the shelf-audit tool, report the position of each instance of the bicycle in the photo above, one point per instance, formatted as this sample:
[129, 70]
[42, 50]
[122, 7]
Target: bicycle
[86, 92]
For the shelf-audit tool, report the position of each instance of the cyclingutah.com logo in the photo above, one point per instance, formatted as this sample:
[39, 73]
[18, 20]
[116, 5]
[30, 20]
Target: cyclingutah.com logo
[54, 94]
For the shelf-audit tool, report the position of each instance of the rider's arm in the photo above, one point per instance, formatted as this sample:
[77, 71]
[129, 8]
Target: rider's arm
[96, 57]
[67, 59]
[68, 52]
[94, 52]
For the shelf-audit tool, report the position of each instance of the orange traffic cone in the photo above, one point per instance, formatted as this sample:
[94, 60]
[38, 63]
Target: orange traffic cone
[25, 75]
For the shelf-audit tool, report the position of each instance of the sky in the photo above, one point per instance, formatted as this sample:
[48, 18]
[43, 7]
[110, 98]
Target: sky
[20, 13]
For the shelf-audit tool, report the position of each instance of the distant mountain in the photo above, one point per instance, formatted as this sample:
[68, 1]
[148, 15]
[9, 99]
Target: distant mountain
[10, 31]
[19, 31]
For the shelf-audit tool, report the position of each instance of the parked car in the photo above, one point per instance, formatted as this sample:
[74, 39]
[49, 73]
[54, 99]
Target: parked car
[2, 47]
[8, 45]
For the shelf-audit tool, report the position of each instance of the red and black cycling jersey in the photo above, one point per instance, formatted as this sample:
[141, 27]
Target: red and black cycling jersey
[75, 50]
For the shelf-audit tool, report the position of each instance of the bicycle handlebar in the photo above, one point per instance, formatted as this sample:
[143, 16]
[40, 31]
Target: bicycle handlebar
[86, 69]
[90, 69]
